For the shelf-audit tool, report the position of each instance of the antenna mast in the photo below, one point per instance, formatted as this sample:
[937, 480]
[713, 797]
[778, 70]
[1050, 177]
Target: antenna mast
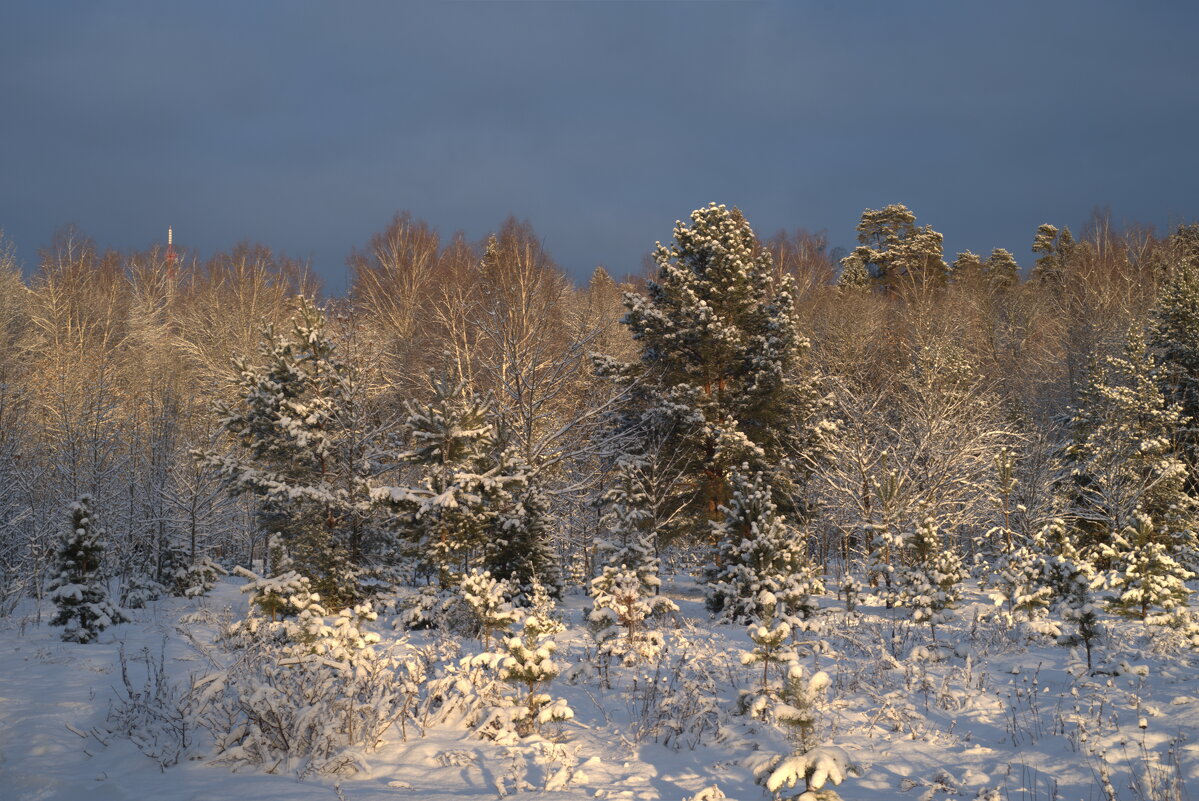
[171, 256]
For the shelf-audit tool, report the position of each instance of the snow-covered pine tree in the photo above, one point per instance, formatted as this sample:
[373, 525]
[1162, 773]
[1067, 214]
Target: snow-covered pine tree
[771, 649]
[625, 593]
[1003, 272]
[719, 381]
[1070, 580]
[1122, 461]
[1174, 337]
[487, 600]
[1149, 577]
[1055, 250]
[621, 611]
[1077, 604]
[967, 268]
[272, 595]
[445, 520]
[1013, 572]
[529, 664]
[854, 276]
[898, 254]
[78, 588]
[518, 547]
[884, 537]
[757, 551]
[627, 543]
[932, 580]
[305, 453]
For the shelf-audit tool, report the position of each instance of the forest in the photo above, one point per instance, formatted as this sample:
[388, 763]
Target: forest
[871, 455]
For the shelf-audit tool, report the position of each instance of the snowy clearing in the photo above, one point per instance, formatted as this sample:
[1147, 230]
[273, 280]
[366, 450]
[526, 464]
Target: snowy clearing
[984, 716]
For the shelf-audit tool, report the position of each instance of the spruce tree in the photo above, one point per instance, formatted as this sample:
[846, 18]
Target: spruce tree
[78, 588]
[758, 553]
[626, 592]
[304, 454]
[1071, 580]
[719, 381]
[1122, 461]
[621, 614]
[443, 519]
[1150, 577]
[931, 584]
[1174, 336]
[476, 503]
[518, 548]
[627, 541]
[854, 275]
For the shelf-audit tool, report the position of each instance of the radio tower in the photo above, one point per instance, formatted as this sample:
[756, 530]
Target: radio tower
[171, 257]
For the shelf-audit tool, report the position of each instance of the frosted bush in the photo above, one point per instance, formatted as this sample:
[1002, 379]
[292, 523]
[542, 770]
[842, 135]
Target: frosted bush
[485, 606]
[816, 768]
[622, 615]
[306, 695]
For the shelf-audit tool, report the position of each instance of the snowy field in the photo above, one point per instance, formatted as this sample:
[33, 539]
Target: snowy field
[987, 716]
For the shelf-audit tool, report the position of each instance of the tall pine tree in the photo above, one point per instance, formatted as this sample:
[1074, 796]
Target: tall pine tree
[304, 451]
[719, 382]
[898, 254]
[476, 503]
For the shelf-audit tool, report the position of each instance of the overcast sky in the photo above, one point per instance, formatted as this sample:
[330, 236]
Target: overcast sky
[306, 126]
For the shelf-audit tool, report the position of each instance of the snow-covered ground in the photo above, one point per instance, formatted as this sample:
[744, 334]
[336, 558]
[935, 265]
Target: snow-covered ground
[987, 716]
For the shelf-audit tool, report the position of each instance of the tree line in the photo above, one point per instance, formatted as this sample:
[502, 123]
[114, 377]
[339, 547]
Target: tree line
[754, 406]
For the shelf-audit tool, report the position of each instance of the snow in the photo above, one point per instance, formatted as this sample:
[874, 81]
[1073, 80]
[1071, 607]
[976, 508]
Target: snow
[996, 717]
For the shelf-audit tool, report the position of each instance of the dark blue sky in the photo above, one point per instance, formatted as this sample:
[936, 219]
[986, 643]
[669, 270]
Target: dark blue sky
[306, 126]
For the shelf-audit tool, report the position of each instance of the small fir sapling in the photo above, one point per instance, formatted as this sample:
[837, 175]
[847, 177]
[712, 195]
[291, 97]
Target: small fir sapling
[1014, 577]
[199, 577]
[797, 597]
[932, 582]
[541, 605]
[620, 615]
[528, 663]
[486, 601]
[817, 768]
[185, 577]
[1072, 581]
[757, 552]
[885, 540]
[851, 591]
[272, 595]
[421, 608]
[138, 590]
[790, 700]
[78, 588]
[625, 593]
[1151, 577]
[770, 636]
